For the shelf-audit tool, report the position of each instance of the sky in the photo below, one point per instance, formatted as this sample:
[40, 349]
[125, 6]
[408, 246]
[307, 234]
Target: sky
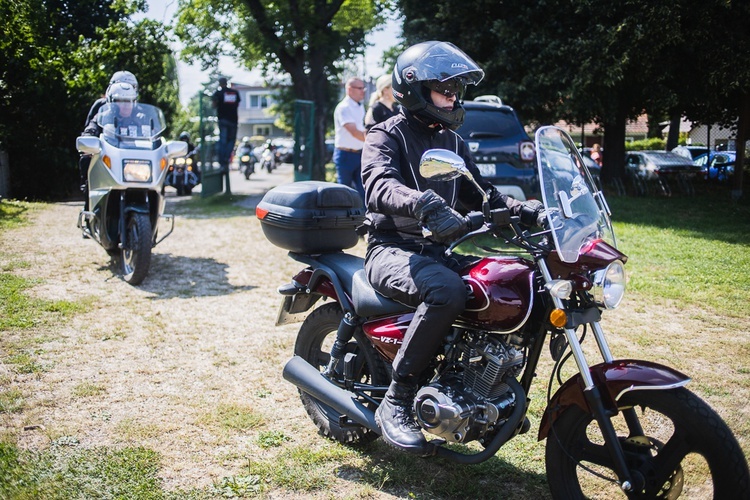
[191, 77]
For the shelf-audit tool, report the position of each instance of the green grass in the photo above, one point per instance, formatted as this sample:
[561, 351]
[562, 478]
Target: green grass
[20, 311]
[15, 213]
[693, 251]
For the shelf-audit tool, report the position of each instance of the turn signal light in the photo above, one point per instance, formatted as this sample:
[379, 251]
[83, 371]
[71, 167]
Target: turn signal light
[163, 163]
[107, 161]
[558, 318]
[260, 212]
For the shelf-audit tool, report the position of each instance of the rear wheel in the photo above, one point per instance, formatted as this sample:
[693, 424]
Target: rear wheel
[314, 342]
[684, 449]
[136, 259]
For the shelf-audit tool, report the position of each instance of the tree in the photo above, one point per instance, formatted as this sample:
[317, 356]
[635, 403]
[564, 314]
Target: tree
[605, 61]
[309, 40]
[57, 59]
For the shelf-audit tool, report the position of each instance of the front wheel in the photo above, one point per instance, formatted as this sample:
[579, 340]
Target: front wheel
[314, 342]
[136, 258]
[683, 448]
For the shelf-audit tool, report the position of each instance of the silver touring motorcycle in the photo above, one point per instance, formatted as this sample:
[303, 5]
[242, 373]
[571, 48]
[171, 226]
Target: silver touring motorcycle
[617, 427]
[125, 178]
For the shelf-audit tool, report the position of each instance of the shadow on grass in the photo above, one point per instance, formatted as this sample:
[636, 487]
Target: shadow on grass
[173, 276]
[406, 476]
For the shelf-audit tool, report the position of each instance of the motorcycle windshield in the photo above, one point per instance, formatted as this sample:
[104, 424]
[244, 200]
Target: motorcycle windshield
[577, 212]
[131, 126]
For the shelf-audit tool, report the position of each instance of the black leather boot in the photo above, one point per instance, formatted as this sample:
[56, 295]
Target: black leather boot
[394, 417]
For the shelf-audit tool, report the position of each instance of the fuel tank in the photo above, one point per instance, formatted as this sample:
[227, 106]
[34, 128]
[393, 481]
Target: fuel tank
[500, 299]
[499, 293]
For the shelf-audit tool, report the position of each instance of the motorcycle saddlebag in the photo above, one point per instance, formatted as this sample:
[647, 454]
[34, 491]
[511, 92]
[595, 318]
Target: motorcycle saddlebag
[311, 217]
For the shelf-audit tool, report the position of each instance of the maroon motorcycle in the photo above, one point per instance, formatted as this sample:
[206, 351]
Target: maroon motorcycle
[619, 427]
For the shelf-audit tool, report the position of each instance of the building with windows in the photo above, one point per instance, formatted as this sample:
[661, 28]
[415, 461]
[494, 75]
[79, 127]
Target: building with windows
[254, 117]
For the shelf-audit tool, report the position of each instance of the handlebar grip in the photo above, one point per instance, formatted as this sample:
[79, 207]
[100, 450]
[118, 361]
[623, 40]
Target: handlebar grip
[474, 220]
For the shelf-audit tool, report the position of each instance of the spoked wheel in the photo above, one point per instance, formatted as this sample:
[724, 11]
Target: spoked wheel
[314, 342]
[136, 259]
[684, 449]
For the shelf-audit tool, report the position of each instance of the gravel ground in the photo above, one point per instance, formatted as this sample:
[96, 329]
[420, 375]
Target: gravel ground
[198, 333]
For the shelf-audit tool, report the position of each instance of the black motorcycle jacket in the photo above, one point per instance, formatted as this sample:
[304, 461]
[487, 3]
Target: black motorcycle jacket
[392, 182]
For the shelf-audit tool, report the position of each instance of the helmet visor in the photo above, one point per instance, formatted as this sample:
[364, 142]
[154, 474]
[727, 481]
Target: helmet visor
[449, 88]
[442, 62]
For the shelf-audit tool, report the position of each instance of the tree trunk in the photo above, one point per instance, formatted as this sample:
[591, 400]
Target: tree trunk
[614, 148]
[673, 137]
[742, 137]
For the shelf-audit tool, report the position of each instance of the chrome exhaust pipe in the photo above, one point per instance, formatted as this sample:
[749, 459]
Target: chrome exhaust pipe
[309, 380]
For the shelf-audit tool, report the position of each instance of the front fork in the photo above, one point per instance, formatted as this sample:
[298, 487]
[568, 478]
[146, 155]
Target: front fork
[592, 393]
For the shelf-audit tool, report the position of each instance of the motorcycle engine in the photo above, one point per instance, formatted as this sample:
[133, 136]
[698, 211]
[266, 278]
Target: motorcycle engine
[471, 400]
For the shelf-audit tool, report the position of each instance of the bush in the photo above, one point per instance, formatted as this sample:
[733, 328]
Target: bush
[646, 144]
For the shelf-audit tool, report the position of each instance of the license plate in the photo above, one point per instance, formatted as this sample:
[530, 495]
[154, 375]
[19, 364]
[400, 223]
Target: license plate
[486, 169]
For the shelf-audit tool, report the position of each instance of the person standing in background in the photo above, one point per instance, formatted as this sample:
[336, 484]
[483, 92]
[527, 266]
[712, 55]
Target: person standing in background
[348, 119]
[382, 103]
[226, 100]
[596, 154]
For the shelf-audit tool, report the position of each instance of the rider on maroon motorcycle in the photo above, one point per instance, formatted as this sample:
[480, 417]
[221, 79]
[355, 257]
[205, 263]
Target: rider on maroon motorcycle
[429, 81]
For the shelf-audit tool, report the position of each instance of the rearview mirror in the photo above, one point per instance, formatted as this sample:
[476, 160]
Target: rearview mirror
[444, 165]
[441, 164]
[176, 148]
[88, 145]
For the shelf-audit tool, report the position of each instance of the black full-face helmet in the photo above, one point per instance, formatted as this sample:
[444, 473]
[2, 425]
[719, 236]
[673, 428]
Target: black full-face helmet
[438, 66]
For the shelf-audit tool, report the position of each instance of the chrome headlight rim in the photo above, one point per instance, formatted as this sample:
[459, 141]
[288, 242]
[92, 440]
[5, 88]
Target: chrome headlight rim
[609, 285]
[136, 170]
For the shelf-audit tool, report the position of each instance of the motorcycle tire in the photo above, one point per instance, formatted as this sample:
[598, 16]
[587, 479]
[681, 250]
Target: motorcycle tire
[703, 458]
[314, 341]
[137, 259]
[248, 171]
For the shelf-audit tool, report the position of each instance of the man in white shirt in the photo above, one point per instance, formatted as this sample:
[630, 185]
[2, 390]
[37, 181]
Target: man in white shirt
[349, 120]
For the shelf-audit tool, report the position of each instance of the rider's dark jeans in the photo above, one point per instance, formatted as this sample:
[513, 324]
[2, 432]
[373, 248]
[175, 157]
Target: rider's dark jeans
[419, 276]
[227, 137]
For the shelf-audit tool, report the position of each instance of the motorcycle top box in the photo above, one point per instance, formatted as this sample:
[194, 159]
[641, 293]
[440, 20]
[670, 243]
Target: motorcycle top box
[311, 217]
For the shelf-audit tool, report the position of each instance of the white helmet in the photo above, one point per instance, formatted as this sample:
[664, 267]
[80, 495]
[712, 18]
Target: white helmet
[126, 77]
[121, 92]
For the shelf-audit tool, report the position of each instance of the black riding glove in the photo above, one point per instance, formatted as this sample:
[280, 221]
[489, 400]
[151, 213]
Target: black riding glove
[533, 214]
[445, 223]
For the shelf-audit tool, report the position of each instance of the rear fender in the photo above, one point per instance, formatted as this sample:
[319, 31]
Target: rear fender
[306, 288]
[613, 379]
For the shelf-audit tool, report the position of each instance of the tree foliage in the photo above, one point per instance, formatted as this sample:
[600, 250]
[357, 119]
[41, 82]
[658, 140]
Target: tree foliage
[311, 41]
[605, 61]
[57, 59]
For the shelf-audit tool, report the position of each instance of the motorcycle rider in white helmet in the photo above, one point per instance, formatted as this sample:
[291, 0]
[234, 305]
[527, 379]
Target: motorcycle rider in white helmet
[126, 96]
[117, 77]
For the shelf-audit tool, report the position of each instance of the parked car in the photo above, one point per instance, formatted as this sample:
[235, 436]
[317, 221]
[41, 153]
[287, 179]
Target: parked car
[500, 147]
[660, 171]
[691, 152]
[717, 165]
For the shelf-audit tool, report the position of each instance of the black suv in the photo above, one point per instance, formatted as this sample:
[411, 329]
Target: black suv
[500, 146]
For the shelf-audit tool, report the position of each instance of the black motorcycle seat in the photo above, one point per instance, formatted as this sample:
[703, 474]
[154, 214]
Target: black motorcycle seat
[366, 301]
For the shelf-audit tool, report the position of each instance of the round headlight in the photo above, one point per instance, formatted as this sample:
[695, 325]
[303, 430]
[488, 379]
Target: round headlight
[609, 285]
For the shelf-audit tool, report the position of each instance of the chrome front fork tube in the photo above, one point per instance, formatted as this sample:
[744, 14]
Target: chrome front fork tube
[591, 391]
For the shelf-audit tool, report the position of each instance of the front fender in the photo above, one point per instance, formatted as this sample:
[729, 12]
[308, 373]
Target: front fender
[613, 380]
